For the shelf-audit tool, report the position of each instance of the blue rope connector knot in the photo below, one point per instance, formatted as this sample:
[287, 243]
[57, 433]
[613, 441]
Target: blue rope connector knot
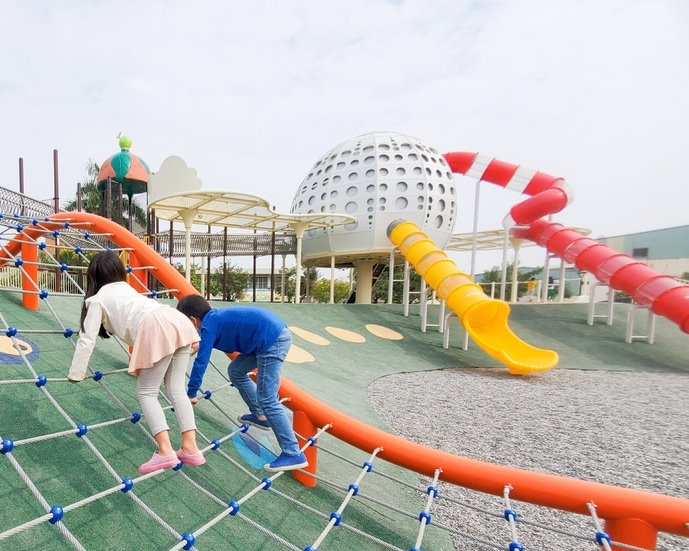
[153, 293]
[63, 267]
[87, 235]
[34, 222]
[136, 417]
[41, 381]
[215, 444]
[267, 483]
[83, 429]
[207, 395]
[510, 514]
[7, 446]
[368, 465]
[423, 515]
[98, 375]
[11, 331]
[234, 507]
[311, 440]
[432, 490]
[57, 512]
[244, 427]
[43, 294]
[66, 224]
[18, 262]
[20, 228]
[129, 269]
[128, 484]
[515, 546]
[178, 466]
[337, 517]
[77, 250]
[68, 333]
[42, 245]
[190, 539]
[354, 489]
[600, 536]
[56, 233]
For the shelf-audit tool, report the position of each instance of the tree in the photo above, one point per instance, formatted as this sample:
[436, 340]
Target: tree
[237, 280]
[494, 275]
[91, 199]
[380, 287]
[321, 290]
[236, 285]
[291, 280]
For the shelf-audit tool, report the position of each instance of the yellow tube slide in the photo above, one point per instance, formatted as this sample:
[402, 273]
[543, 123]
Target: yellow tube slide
[484, 318]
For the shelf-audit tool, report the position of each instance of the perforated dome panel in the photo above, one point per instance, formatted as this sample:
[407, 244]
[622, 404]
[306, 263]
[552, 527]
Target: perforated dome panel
[377, 178]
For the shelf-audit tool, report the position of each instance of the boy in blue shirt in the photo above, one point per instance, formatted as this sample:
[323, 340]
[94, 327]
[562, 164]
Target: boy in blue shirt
[262, 340]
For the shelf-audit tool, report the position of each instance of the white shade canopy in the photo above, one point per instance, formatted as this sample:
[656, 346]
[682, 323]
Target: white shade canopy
[175, 195]
[489, 240]
[238, 210]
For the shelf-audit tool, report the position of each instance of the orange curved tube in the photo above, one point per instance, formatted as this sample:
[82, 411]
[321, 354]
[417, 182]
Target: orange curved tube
[664, 513]
[620, 506]
[146, 256]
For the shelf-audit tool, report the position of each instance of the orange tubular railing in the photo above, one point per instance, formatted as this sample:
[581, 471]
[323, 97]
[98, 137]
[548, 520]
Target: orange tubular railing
[631, 516]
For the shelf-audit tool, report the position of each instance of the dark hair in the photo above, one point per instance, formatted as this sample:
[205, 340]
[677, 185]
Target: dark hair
[106, 267]
[194, 306]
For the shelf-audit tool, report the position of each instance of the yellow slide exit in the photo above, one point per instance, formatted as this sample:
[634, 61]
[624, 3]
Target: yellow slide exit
[484, 318]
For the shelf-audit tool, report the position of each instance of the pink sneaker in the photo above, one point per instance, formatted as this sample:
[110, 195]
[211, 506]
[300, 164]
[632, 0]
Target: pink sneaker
[159, 462]
[191, 458]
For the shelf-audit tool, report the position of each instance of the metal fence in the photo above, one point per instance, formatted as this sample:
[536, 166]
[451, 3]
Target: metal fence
[11, 278]
[217, 244]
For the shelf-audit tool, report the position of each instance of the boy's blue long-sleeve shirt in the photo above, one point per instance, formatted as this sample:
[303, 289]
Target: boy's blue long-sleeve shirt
[243, 329]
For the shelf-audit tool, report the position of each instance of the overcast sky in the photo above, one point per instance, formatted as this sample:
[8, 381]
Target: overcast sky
[251, 94]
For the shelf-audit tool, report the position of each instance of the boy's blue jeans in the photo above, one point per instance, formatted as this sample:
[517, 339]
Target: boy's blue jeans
[262, 397]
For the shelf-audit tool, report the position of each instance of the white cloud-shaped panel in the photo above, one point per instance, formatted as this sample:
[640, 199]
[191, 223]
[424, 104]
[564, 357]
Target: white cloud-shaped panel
[174, 177]
[377, 178]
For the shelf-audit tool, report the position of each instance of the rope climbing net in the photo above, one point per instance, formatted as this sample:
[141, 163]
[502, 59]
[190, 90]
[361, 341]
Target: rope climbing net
[63, 493]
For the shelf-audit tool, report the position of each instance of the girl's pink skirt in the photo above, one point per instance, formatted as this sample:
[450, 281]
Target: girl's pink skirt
[161, 333]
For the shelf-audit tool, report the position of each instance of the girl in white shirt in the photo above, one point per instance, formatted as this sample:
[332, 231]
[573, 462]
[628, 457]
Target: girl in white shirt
[161, 338]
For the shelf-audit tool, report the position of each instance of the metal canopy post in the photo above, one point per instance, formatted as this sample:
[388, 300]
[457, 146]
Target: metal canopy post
[299, 229]
[332, 280]
[188, 218]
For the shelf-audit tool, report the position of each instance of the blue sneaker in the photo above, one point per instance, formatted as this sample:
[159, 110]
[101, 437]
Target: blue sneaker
[253, 421]
[287, 463]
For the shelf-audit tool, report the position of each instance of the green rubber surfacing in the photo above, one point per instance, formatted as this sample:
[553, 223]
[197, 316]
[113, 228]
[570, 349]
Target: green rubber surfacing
[66, 470]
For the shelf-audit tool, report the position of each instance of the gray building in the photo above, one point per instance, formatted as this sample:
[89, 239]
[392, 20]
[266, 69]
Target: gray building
[666, 250]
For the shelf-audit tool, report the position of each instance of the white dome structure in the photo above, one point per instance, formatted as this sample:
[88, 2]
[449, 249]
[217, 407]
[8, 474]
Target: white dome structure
[376, 178]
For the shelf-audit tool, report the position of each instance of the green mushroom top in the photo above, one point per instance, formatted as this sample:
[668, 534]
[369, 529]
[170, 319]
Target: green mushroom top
[125, 142]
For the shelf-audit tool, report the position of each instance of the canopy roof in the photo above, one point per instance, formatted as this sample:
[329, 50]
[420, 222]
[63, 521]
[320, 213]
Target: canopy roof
[238, 210]
[489, 240]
